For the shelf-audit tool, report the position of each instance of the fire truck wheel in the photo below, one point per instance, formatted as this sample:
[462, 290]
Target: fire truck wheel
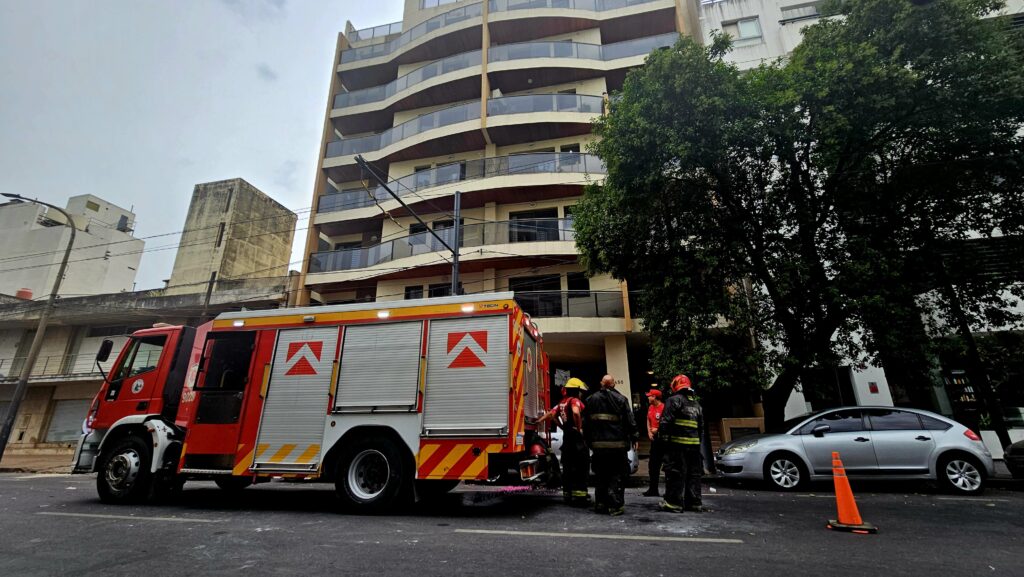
[124, 474]
[371, 476]
[233, 484]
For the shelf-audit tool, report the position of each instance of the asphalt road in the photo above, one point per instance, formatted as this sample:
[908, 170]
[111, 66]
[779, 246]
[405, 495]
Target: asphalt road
[55, 525]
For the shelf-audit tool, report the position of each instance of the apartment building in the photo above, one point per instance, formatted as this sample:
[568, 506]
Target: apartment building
[493, 100]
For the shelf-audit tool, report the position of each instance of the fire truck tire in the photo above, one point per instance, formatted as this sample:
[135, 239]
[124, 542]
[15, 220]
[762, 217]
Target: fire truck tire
[371, 476]
[124, 473]
[233, 484]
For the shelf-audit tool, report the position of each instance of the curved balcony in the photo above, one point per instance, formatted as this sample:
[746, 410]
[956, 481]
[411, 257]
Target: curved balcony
[365, 66]
[548, 116]
[473, 235]
[420, 183]
[437, 119]
[441, 21]
[421, 74]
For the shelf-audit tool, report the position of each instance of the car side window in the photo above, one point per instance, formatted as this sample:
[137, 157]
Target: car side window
[893, 420]
[839, 421]
[933, 424]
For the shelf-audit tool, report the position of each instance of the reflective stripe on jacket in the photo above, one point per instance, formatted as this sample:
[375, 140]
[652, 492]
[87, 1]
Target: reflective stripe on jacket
[681, 422]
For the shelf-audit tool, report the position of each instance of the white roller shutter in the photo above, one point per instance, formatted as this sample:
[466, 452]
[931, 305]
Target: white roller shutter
[467, 377]
[380, 367]
[66, 421]
[531, 376]
[294, 412]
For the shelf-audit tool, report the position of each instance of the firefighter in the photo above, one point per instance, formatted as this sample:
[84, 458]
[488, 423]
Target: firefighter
[610, 430]
[681, 424]
[568, 415]
[654, 410]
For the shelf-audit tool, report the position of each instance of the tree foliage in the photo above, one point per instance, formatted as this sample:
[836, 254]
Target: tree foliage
[796, 204]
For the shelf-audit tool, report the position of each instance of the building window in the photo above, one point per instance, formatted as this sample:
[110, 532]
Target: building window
[745, 29]
[424, 4]
[413, 292]
[220, 235]
[227, 203]
[442, 290]
[578, 284]
[418, 233]
[574, 147]
[95, 207]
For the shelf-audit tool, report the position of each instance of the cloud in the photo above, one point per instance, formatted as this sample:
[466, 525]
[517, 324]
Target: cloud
[265, 72]
[286, 176]
[249, 10]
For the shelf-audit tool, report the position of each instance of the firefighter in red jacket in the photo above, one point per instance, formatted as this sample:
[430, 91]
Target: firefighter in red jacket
[654, 411]
[681, 424]
[568, 415]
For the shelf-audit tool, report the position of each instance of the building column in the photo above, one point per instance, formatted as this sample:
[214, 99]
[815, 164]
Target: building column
[617, 362]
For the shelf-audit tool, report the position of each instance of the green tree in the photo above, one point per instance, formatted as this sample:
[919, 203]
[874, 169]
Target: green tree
[789, 204]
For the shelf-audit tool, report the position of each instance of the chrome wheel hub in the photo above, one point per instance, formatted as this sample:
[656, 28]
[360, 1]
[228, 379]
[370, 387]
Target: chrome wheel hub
[368, 474]
[122, 470]
[963, 475]
[785, 473]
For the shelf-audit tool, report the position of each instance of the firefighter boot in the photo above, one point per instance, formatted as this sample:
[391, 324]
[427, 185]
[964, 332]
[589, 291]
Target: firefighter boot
[669, 507]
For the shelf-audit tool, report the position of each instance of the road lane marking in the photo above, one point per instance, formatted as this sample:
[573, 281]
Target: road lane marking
[978, 499]
[602, 536]
[130, 518]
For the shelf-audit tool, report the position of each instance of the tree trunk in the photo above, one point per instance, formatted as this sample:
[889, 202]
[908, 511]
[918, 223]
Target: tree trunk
[776, 397]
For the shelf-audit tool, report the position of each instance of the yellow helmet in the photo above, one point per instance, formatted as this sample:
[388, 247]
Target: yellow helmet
[575, 383]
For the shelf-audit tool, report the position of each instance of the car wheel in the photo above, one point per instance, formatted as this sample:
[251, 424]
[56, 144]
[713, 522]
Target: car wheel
[372, 476]
[785, 472]
[958, 473]
[124, 474]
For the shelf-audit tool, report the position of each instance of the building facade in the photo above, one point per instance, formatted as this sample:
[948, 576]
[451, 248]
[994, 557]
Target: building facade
[33, 238]
[232, 231]
[493, 100]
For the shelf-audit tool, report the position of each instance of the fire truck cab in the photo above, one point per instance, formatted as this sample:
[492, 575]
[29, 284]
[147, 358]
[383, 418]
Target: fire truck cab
[389, 400]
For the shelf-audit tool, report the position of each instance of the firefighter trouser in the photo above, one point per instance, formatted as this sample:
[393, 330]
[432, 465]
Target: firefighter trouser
[683, 471]
[657, 452]
[575, 467]
[610, 470]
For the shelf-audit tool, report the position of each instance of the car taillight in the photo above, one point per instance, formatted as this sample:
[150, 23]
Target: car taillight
[971, 435]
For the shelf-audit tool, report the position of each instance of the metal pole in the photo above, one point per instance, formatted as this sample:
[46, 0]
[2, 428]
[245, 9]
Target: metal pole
[458, 237]
[37, 341]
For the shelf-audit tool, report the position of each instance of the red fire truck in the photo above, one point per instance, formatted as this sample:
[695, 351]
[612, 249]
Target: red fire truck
[389, 400]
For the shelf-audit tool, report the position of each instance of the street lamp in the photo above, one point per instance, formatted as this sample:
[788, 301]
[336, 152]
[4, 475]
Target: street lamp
[37, 341]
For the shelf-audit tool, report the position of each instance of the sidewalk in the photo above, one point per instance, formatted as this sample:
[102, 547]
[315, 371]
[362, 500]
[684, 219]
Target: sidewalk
[36, 464]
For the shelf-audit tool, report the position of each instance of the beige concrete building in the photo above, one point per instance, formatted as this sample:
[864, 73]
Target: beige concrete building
[232, 231]
[495, 100]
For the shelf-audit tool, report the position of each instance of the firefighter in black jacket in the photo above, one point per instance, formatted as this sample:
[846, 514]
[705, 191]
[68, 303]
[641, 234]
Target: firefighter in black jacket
[681, 424]
[610, 430]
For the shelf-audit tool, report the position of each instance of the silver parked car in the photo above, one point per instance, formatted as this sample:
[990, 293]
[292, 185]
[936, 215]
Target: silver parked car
[875, 442]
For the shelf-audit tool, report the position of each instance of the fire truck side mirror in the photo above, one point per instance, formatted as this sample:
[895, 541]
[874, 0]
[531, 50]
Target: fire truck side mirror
[104, 353]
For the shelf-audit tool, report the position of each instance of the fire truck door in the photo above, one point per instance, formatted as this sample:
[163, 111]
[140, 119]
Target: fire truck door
[212, 438]
[295, 409]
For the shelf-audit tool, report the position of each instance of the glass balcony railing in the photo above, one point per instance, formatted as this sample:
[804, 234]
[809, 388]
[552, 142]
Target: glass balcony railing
[591, 304]
[455, 16]
[592, 5]
[74, 365]
[614, 51]
[436, 119]
[480, 234]
[462, 112]
[531, 163]
[529, 103]
[376, 32]
[378, 93]
[503, 53]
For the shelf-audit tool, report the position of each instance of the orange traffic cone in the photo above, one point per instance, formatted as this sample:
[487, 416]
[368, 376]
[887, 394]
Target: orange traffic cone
[849, 516]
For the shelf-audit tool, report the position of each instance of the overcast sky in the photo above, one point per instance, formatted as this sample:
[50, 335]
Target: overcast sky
[136, 101]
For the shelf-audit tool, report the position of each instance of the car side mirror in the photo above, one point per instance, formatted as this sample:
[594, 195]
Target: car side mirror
[820, 430]
[104, 353]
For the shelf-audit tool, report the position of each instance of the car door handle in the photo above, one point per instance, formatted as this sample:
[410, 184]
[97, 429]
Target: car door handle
[862, 439]
[922, 438]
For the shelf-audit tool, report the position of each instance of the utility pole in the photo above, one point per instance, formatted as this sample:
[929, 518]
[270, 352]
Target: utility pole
[458, 232]
[37, 341]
